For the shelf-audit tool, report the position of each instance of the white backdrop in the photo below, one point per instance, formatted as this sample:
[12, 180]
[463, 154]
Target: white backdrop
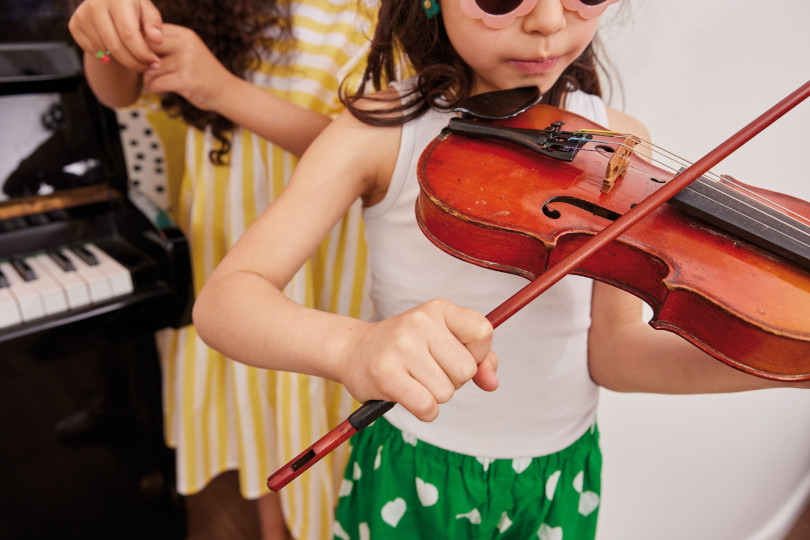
[725, 467]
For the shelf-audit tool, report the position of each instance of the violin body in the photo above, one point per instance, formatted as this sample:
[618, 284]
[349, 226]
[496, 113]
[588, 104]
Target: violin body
[508, 208]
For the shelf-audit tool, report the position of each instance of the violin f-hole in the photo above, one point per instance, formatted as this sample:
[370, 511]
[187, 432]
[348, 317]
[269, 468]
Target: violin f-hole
[595, 209]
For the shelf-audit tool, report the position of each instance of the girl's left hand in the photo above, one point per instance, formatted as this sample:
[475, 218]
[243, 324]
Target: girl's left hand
[187, 68]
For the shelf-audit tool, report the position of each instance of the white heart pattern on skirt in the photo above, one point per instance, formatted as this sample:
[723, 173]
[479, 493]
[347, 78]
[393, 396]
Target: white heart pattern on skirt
[393, 511]
[428, 493]
[549, 533]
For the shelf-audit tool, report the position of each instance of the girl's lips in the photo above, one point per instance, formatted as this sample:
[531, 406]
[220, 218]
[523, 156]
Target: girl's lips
[541, 65]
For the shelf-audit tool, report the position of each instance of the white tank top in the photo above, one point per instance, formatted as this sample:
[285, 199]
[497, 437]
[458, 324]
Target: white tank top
[546, 398]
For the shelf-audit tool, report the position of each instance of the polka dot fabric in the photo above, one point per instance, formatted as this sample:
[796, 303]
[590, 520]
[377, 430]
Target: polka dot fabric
[144, 155]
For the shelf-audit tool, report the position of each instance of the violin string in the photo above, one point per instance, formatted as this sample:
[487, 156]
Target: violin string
[682, 162]
[674, 157]
[740, 198]
[709, 179]
[754, 195]
[645, 166]
[648, 160]
[755, 219]
[652, 147]
[787, 218]
[652, 160]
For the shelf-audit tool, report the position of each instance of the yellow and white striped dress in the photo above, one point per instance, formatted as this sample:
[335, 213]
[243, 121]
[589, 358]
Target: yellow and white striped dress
[221, 415]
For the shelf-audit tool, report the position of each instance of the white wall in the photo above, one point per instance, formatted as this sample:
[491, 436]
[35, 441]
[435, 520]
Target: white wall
[730, 467]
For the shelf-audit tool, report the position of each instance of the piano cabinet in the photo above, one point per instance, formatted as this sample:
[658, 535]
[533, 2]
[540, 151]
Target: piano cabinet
[81, 441]
[91, 271]
[81, 437]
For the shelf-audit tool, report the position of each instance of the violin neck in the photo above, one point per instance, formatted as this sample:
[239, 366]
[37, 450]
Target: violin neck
[747, 218]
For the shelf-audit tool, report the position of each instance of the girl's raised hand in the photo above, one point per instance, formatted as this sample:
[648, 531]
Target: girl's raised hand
[188, 68]
[125, 28]
[419, 358]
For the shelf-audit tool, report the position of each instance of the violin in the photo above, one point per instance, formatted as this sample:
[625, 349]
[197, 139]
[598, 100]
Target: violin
[722, 264]
[546, 192]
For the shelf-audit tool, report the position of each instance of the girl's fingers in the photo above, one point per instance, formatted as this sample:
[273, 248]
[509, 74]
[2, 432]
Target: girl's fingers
[126, 41]
[439, 375]
[452, 360]
[486, 378]
[157, 77]
[167, 76]
[85, 34]
[159, 81]
[84, 40]
[104, 37]
[457, 352]
[116, 27]
[472, 329]
[170, 41]
[423, 398]
[419, 401]
[151, 22]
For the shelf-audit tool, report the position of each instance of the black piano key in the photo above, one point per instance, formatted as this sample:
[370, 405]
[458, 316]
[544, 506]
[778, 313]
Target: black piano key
[84, 255]
[13, 224]
[59, 214]
[59, 258]
[3, 280]
[22, 268]
[38, 219]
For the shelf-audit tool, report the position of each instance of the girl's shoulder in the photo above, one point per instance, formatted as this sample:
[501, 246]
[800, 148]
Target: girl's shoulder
[383, 104]
[624, 123]
[372, 149]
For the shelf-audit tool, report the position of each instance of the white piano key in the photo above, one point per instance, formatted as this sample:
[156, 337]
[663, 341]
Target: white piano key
[53, 296]
[118, 274]
[75, 288]
[28, 296]
[97, 283]
[9, 310]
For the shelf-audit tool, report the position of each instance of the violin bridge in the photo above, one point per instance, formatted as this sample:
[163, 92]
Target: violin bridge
[617, 165]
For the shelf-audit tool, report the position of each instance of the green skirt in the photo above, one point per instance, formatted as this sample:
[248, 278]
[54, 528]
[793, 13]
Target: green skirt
[396, 487]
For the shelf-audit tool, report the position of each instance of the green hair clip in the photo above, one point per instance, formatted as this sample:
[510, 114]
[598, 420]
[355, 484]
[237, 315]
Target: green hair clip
[431, 8]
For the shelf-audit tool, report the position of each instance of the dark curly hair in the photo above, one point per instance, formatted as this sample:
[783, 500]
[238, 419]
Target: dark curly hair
[235, 31]
[404, 33]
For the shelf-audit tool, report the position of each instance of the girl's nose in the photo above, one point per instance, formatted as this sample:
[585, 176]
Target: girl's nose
[547, 17]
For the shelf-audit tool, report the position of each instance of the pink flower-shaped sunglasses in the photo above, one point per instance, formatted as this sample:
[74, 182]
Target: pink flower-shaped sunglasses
[501, 13]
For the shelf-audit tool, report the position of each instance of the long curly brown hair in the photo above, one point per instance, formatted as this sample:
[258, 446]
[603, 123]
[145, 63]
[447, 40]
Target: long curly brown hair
[235, 31]
[443, 79]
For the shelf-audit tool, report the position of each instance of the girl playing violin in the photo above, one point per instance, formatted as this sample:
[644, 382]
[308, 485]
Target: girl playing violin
[516, 453]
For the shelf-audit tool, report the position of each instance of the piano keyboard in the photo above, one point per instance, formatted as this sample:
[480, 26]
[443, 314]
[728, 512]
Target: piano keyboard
[54, 281]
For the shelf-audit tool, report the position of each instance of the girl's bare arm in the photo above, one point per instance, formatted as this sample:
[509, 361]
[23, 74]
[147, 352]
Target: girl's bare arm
[188, 68]
[418, 358]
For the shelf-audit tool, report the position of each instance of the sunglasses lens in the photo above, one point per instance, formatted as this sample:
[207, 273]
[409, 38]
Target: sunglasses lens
[499, 7]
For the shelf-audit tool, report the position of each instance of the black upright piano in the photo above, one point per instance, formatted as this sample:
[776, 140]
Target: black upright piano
[89, 271]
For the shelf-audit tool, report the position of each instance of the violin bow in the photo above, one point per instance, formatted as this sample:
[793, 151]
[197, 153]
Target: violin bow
[373, 409]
